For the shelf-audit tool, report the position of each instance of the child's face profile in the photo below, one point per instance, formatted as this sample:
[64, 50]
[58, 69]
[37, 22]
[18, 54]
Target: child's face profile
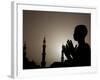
[80, 33]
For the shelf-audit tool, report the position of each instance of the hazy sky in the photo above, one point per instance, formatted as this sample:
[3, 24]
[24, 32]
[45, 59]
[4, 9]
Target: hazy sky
[57, 27]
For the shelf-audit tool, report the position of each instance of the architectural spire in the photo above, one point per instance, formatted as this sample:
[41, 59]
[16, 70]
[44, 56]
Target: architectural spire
[43, 63]
[44, 41]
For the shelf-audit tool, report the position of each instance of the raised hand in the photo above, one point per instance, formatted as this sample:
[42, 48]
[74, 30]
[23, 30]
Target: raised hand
[70, 46]
[68, 49]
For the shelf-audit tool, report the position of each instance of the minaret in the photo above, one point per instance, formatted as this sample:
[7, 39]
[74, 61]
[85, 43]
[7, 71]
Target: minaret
[43, 63]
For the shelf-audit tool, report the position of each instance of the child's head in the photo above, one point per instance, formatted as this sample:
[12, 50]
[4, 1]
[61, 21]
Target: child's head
[80, 32]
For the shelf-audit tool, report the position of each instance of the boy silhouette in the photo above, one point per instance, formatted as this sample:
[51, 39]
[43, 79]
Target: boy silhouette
[81, 53]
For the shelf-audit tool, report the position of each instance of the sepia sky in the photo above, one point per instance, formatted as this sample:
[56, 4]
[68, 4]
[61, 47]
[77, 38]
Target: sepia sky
[57, 27]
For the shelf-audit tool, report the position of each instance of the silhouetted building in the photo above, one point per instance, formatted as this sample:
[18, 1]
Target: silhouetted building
[26, 63]
[62, 54]
[43, 63]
